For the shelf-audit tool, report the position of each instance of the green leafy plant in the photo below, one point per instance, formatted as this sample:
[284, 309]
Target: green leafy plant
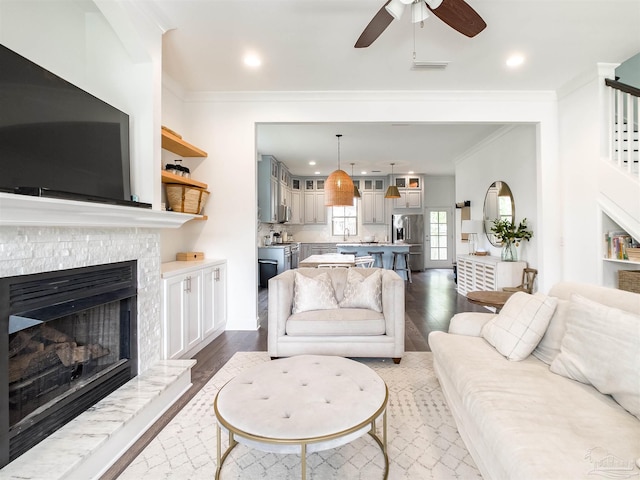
[507, 232]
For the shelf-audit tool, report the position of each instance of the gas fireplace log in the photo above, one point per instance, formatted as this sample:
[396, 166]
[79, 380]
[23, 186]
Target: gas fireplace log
[30, 364]
[81, 354]
[20, 341]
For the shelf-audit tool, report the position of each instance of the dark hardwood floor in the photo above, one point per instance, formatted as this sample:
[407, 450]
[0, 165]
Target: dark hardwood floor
[430, 302]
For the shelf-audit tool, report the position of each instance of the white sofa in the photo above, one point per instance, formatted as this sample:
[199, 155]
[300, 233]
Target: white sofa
[348, 332]
[520, 420]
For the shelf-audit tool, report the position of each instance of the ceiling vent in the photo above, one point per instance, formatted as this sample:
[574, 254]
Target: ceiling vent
[429, 65]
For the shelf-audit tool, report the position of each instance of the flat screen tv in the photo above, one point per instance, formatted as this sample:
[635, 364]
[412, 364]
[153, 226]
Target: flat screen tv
[57, 140]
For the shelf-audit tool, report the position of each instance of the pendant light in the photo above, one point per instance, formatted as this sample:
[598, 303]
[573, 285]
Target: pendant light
[392, 191]
[338, 189]
[356, 192]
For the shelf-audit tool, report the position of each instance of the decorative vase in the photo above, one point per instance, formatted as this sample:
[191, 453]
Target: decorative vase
[509, 252]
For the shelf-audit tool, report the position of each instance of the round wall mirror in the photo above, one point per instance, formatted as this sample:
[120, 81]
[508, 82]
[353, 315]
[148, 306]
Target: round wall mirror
[498, 203]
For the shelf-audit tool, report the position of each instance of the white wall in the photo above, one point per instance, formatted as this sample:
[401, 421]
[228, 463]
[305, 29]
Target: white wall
[224, 125]
[508, 156]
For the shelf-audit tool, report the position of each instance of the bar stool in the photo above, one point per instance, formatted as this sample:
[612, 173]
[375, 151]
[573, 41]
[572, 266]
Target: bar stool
[406, 268]
[377, 256]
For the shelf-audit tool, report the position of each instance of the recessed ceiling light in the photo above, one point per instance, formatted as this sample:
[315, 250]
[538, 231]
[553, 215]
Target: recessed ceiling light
[411, 172]
[312, 162]
[515, 60]
[363, 172]
[316, 173]
[252, 60]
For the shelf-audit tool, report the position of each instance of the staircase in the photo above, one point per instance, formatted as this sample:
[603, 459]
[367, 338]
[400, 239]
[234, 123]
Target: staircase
[623, 122]
[619, 173]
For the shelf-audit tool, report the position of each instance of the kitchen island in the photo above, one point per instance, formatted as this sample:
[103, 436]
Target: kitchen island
[360, 249]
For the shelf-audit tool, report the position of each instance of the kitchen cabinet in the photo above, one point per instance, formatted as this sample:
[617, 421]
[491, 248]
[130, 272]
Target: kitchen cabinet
[373, 210]
[410, 188]
[297, 208]
[268, 189]
[315, 211]
[193, 305]
[487, 273]
[308, 249]
[408, 199]
[284, 185]
[279, 253]
[373, 184]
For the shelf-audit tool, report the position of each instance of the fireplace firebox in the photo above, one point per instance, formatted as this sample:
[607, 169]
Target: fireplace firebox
[67, 340]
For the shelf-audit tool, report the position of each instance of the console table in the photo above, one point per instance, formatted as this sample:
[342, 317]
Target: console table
[487, 273]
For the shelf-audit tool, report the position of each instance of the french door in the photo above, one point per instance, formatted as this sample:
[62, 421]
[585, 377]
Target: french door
[439, 237]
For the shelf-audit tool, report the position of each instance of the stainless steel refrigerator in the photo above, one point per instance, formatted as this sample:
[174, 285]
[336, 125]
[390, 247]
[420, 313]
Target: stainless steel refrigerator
[409, 230]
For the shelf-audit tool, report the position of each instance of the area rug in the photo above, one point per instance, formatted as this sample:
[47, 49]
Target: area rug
[423, 442]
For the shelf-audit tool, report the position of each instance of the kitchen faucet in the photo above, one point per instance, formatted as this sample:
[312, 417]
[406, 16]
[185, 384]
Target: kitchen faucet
[345, 234]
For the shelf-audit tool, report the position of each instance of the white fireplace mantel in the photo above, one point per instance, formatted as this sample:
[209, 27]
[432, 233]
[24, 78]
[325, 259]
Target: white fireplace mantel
[22, 210]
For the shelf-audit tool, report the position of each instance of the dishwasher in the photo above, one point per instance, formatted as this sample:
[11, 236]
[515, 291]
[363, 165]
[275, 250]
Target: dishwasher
[295, 255]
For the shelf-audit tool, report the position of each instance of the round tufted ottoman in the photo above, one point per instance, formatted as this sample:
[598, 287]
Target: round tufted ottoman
[301, 404]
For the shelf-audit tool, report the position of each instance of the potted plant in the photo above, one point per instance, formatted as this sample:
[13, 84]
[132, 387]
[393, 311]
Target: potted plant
[510, 236]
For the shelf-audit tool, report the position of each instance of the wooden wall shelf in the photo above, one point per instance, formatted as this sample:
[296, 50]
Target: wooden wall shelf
[177, 145]
[168, 177]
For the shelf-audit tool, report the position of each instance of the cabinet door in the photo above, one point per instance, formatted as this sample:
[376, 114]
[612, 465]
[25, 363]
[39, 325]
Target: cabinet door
[208, 301]
[296, 207]
[173, 316]
[220, 295]
[309, 207]
[321, 210]
[273, 200]
[409, 199]
[193, 310]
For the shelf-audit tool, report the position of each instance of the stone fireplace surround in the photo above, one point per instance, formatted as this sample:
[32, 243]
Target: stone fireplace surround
[38, 235]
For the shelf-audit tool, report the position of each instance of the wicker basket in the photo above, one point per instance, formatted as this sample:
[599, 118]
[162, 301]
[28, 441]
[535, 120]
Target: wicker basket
[629, 280]
[186, 199]
[633, 253]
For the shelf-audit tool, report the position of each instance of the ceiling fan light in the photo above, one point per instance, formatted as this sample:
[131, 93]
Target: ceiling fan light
[419, 12]
[395, 9]
[433, 4]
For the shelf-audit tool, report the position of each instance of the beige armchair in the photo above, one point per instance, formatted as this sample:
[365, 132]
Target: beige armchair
[347, 332]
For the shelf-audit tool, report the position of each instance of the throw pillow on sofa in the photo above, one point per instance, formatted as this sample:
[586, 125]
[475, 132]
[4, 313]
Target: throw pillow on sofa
[601, 347]
[520, 325]
[313, 293]
[362, 291]
[549, 346]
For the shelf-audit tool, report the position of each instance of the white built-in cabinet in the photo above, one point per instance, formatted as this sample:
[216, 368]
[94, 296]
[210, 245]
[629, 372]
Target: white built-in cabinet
[372, 192]
[297, 209]
[194, 305]
[487, 273]
[410, 188]
[315, 210]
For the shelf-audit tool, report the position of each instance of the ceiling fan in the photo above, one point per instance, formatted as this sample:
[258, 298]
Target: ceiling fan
[455, 13]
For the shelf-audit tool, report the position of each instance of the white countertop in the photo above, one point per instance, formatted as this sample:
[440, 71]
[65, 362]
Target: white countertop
[372, 244]
[170, 269]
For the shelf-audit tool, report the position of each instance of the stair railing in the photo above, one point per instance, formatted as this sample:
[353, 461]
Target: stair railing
[623, 126]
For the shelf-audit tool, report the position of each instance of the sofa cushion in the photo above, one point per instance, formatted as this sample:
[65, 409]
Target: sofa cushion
[313, 293]
[363, 292]
[601, 347]
[339, 321]
[549, 346]
[520, 325]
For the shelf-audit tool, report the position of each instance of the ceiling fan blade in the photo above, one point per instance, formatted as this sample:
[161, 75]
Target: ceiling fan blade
[376, 26]
[459, 15]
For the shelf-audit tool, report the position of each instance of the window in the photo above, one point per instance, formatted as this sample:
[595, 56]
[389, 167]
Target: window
[343, 220]
[438, 234]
